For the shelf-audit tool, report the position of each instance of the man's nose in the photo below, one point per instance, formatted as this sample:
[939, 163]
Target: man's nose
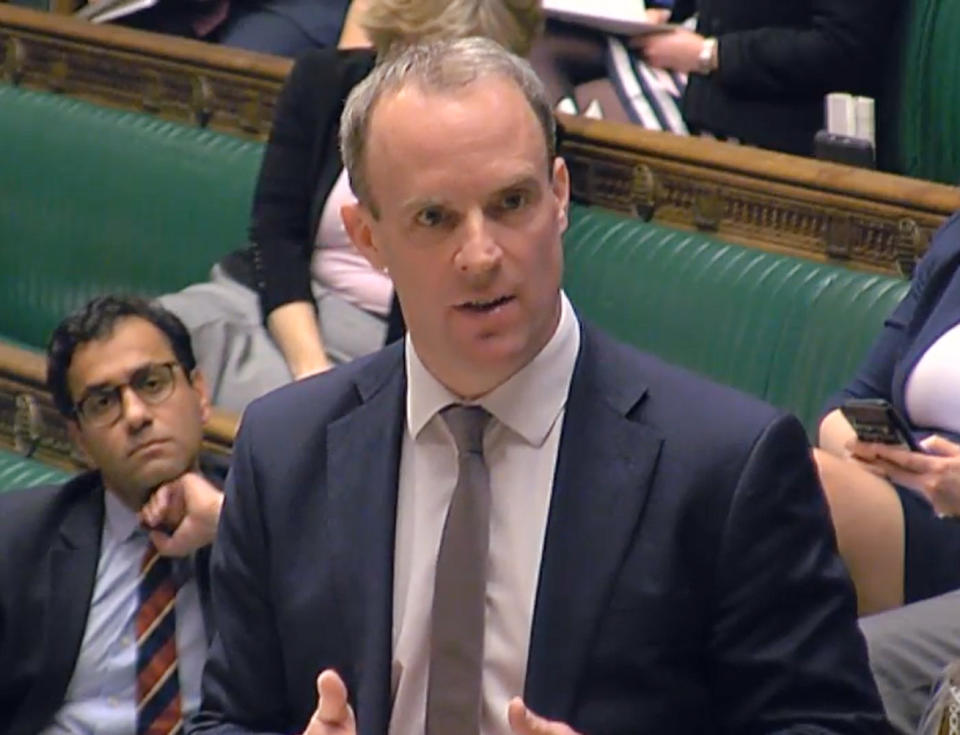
[479, 252]
[136, 412]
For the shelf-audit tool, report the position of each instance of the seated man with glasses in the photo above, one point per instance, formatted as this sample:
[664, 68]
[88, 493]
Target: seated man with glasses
[100, 629]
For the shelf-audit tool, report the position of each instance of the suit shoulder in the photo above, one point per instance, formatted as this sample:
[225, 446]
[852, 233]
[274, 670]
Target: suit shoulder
[316, 401]
[26, 513]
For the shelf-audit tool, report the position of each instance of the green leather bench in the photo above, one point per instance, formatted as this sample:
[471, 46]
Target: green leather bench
[17, 472]
[789, 330]
[93, 199]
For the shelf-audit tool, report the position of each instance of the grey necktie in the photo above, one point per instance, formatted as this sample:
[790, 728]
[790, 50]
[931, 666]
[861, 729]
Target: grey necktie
[456, 628]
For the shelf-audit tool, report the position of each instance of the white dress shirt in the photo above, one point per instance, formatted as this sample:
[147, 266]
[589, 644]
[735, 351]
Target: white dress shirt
[520, 450]
[101, 695]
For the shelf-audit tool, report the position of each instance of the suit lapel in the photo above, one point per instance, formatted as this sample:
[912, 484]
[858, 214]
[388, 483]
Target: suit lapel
[605, 465]
[72, 573]
[363, 450]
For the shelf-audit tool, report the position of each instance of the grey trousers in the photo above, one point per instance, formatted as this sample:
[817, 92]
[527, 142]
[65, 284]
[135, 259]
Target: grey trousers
[238, 357]
[909, 648]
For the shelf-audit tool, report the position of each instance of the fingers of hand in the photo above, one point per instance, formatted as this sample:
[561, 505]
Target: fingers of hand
[870, 467]
[866, 451]
[940, 446]
[524, 721]
[332, 706]
[915, 462]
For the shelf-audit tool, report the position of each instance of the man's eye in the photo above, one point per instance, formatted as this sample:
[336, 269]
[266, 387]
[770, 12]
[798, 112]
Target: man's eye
[430, 217]
[513, 200]
[151, 384]
[98, 402]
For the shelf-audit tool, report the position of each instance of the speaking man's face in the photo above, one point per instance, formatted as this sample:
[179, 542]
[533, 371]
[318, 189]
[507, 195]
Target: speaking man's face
[470, 223]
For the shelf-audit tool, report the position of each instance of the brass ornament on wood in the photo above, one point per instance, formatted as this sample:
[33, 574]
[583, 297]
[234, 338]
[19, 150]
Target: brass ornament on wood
[839, 236]
[252, 116]
[707, 210]
[151, 91]
[909, 246]
[26, 424]
[643, 192]
[201, 100]
[58, 74]
[14, 60]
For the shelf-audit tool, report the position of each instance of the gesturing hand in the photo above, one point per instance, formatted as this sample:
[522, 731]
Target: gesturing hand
[333, 716]
[524, 722]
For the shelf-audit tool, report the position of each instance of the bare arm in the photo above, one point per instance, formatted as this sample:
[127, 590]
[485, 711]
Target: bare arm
[352, 35]
[296, 331]
[835, 433]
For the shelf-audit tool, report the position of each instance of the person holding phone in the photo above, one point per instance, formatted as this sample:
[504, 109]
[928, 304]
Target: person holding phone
[894, 510]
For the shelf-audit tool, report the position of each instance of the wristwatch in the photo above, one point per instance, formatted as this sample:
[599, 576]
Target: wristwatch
[707, 58]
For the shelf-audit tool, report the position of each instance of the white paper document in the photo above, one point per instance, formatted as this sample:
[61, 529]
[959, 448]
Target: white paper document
[620, 17]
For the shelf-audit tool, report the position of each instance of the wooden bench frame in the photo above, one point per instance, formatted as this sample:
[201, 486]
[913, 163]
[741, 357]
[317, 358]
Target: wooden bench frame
[818, 210]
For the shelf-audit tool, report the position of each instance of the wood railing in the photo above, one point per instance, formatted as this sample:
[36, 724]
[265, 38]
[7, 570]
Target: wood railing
[758, 198]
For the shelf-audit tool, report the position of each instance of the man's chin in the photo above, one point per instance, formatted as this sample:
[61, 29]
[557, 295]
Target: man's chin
[157, 474]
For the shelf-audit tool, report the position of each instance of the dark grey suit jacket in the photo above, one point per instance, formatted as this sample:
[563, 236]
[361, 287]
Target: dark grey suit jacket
[689, 580]
[49, 549]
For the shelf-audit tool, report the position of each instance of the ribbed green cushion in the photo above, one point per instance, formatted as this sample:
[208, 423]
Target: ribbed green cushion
[94, 199]
[788, 330]
[16, 471]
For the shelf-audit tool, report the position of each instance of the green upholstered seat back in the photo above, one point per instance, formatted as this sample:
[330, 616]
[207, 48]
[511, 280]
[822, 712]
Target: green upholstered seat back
[94, 199]
[788, 330]
[17, 471]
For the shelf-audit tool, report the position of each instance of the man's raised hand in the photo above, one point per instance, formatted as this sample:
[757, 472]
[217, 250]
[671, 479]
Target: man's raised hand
[334, 715]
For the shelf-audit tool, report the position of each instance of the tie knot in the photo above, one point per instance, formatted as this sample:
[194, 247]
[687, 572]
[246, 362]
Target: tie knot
[466, 423]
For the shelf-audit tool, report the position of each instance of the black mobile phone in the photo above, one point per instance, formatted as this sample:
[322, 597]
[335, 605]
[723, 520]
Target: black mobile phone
[876, 420]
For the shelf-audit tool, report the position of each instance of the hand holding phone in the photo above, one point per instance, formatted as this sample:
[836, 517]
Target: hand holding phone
[876, 420]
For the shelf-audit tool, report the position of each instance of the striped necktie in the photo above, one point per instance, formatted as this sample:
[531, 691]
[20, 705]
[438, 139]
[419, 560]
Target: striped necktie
[158, 685]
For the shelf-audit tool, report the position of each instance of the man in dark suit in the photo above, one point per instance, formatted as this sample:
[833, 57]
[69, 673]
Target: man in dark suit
[97, 632]
[655, 554]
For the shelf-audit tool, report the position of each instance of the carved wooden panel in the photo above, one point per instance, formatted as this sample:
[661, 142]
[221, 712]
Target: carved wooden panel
[745, 195]
[191, 82]
[810, 208]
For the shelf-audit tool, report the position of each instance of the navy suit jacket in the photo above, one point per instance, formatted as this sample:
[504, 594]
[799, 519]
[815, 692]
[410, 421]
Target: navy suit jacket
[689, 581]
[49, 550]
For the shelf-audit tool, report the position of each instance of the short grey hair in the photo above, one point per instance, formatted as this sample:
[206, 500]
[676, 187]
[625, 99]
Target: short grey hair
[437, 66]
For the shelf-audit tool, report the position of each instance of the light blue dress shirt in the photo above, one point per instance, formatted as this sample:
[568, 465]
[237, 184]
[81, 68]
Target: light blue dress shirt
[101, 695]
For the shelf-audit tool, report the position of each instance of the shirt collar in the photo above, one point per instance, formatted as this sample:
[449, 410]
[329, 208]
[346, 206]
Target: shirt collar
[528, 403]
[120, 523]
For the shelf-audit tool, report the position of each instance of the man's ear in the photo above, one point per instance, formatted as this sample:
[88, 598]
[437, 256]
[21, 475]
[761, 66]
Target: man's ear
[76, 436]
[199, 384]
[357, 221]
[561, 190]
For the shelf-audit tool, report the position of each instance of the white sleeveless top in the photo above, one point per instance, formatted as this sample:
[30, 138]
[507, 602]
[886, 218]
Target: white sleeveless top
[338, 266]
[932, 391]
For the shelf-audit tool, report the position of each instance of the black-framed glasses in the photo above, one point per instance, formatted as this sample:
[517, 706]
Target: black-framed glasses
[152, 383]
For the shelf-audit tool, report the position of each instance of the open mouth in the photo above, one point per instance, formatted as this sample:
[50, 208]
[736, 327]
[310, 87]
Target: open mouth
[482, 306]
